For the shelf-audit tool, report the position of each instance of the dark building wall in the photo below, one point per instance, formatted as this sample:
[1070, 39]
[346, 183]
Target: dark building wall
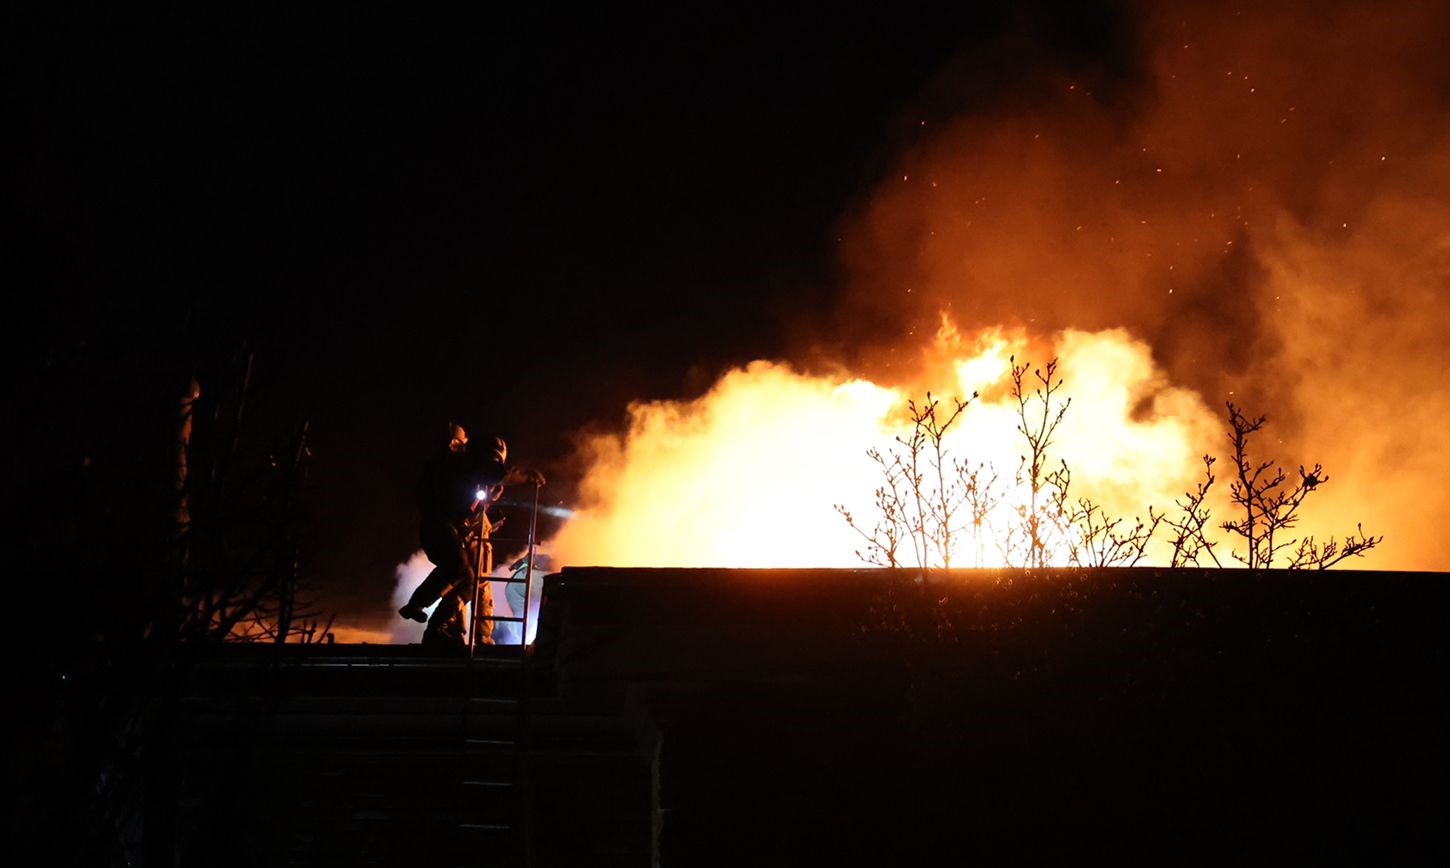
[712, 717]
[1160, 714]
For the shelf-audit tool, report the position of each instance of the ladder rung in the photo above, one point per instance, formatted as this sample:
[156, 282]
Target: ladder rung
[488, 783]
[493, 741]
[500, 618]
[496, 700]
[492, 827]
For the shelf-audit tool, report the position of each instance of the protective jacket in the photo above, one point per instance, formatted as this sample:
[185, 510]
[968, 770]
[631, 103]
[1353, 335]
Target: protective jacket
[447, 496]
[449, 485]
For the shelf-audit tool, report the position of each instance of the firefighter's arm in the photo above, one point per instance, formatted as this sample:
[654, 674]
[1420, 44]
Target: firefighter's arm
[519, 476]
[477, 522]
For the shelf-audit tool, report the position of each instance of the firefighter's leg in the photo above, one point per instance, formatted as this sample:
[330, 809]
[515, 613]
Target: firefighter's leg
[444, 548]
[446, 629]
[447, 625]
[427, 592]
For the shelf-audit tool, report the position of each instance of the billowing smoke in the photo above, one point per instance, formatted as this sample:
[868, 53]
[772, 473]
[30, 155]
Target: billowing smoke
[407, 576]
[1268, 207]
[1261, 214]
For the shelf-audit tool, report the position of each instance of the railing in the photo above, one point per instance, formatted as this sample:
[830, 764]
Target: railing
[522, 619]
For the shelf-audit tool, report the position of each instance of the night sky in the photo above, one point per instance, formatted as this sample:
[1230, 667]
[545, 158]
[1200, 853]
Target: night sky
[519, 219]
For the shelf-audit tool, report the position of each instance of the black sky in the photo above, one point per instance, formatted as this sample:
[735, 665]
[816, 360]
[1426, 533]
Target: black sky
[524, 219]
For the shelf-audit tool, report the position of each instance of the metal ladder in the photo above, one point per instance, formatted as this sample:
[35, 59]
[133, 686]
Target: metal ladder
[495, 793]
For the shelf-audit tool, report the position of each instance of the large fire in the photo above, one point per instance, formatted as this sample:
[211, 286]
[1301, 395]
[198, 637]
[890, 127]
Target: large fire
[1259, 212]
[747, 475]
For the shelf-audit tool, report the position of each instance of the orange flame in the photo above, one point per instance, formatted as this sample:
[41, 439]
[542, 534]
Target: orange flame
[748, 474]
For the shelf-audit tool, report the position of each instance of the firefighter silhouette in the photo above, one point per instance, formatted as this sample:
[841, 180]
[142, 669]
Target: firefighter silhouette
[457, 486]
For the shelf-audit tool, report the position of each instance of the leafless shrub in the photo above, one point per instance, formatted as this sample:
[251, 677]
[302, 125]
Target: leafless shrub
[929, 500]
[1190, 538]
[1271, 508]
[922, 494]
[891, 528]
[946, 495]
[1039, 413]
[982, 495]
[1310, 555]
[238, 570]
[1095, 538]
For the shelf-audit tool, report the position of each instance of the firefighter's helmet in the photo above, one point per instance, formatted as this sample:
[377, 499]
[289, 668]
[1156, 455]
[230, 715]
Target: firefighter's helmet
[542, 564]
[457, 437]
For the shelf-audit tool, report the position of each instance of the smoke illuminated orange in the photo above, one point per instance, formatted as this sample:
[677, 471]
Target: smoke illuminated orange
[1261, 214]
